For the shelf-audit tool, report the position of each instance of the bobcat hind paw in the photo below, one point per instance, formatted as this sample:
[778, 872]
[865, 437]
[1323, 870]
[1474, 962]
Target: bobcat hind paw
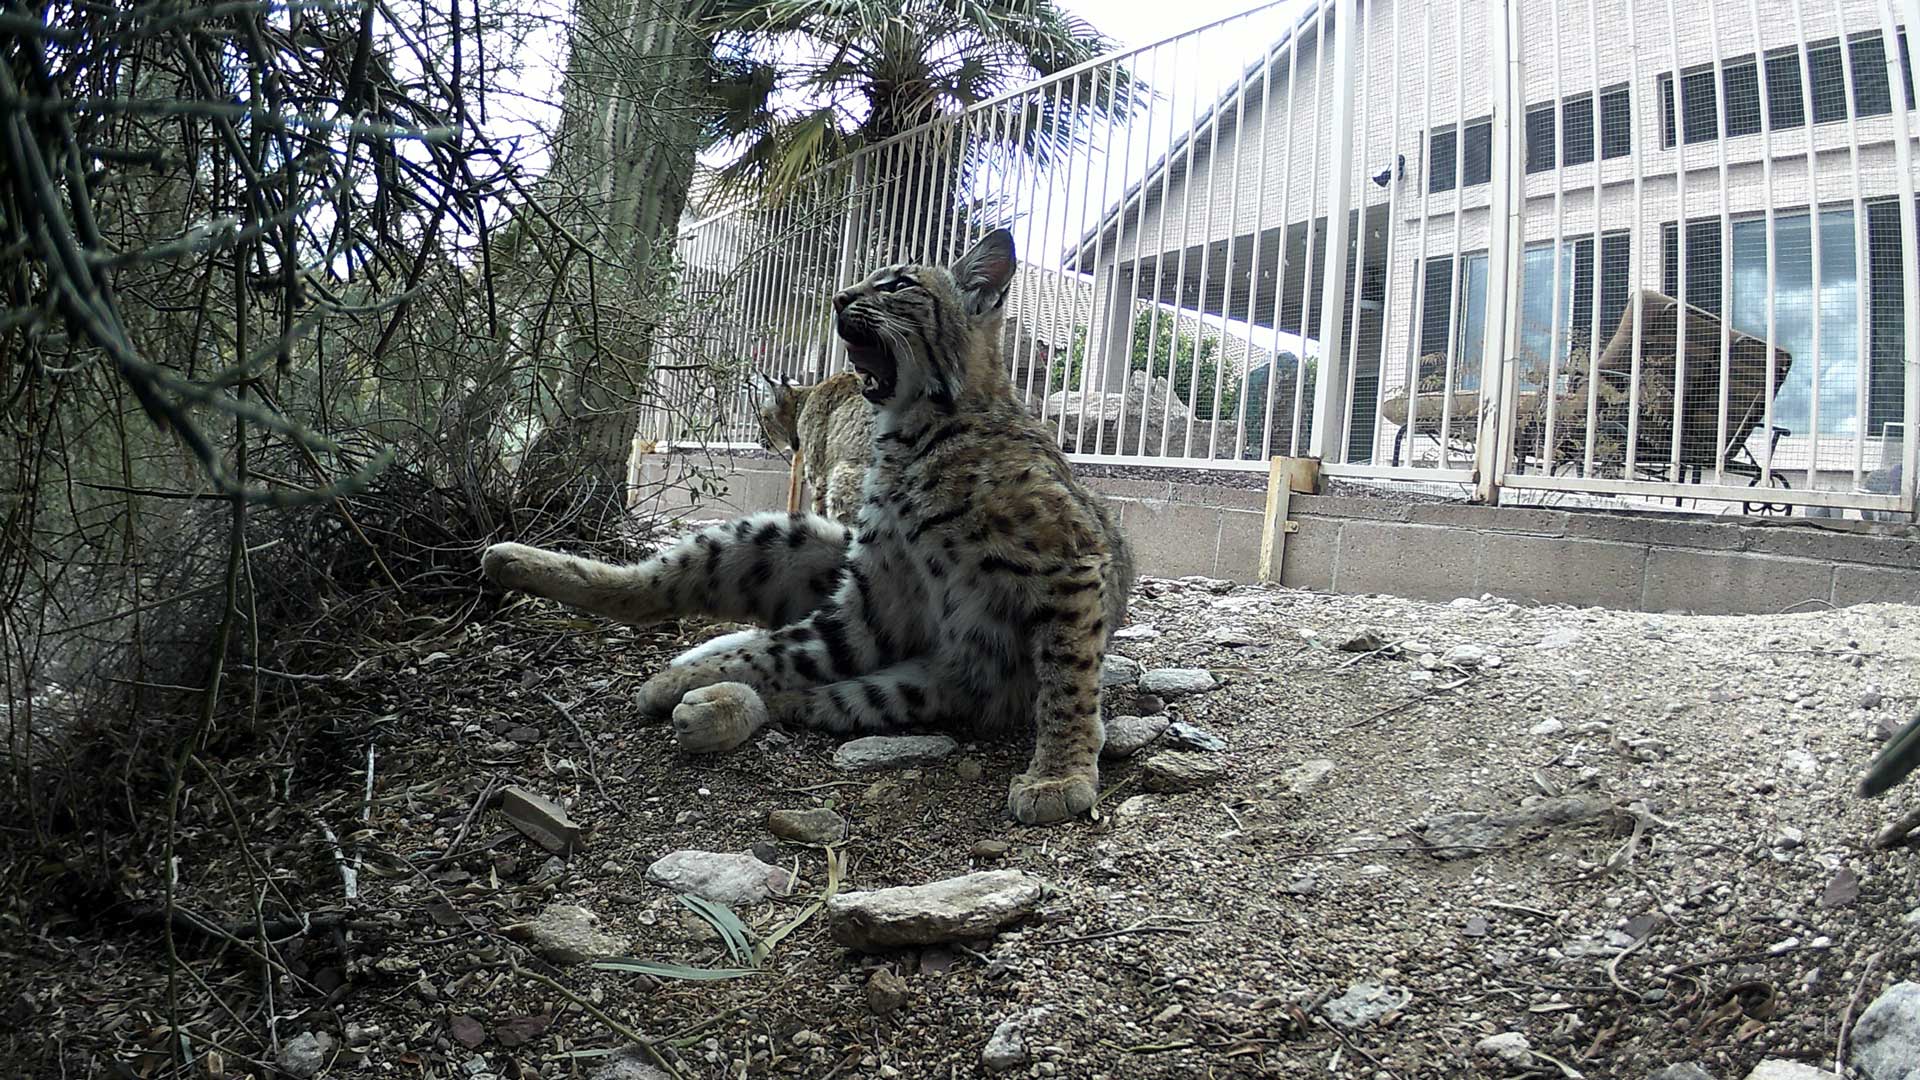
[717, 718]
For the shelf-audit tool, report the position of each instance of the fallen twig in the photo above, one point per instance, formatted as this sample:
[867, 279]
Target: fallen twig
[594, 1011]
[1144, 926]
[593, 763]
[1846, 1018]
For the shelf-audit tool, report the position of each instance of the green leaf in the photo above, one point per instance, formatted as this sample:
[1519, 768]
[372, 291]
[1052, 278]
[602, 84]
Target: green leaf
[765, 948]
[733, 933]
[661, 970]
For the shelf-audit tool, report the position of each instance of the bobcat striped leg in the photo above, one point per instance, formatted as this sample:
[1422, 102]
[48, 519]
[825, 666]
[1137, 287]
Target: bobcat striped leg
[768, 568]
[886, 700]
[1063, 777]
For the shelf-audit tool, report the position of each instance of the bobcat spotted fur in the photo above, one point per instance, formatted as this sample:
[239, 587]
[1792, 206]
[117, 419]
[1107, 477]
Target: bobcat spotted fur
[829, 430]
[978, 588]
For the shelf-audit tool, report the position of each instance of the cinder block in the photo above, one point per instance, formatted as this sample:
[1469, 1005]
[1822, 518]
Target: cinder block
[1511, 519]
[1725, 583]
[1585, 573]
[1313, 555]
[1875, 585]
[1424, 562]
[1171, 539]
[1698, 533]
[1238, 557]
[1341, 506]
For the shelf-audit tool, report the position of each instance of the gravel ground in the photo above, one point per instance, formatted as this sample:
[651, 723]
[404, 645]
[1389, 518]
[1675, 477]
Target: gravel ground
[1718, 900]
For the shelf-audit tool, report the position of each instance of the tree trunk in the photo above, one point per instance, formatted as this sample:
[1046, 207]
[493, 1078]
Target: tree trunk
[631, 122]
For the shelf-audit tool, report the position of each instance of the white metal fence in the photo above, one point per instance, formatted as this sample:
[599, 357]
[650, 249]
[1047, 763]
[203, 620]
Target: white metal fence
[1503, 203]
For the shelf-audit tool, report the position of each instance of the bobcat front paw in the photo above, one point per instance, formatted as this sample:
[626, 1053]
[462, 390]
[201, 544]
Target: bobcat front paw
[660, 695]
[1044, 800]
[515, 566]
[718, 717]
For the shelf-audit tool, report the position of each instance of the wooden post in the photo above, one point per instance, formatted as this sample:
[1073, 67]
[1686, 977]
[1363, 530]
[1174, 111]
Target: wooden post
[1284, 477]
[793, 484]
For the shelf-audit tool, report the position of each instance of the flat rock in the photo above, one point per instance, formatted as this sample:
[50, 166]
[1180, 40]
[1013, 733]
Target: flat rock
[1307, 775]
[1509, 1046]
[878, 752]
[1137, 632]
[1776, 1069]
[305, 1054]
[1466, 656]
[1117, 670]
[1177, 682]
[1176, 770]
[1364, 642]
[568, 934]
[629, 1064]
[1886, 1038]
[733, 880]
[1685, 1070]
[818, 825]
[1184, 736]
[972, 906]
[1006, 1049]
[1467, 834]
[1127, 735]
[1564, 638]
[540, 819]
[1363, 1003]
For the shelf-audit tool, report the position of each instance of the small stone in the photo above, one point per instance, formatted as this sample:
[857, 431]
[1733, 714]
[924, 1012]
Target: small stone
[1562, 638]
[988, 850]
[1509, 1046]
[1549, 726]
[733, 880]
[524, 734]
[1136, 632]
[1363, 1003]
[766, 851]
[1476, 927]
[1842, 890]
[522, 1029]
[1777, 1069]
[1886, 1039]
[1126, 735]
[1172, 770]
[541, 820]
[1365, 641]
[1181, 735]
[1304, 885]
[1143, 705]
[1117, 670]
[886, 992]
[968, 769]
[1800, 763]
[1307, 775]
[1177, 682]
[1685, 1070]
[973, 906]
[629, 1064]
[1232, 636]
[1871, 699]
[1007, 1048]
[1134, 807]
[814, 826]
[466, 1030]
[877, 752]
[1465, 656]
[305, 1054]
[567, 934]
[1789, 838]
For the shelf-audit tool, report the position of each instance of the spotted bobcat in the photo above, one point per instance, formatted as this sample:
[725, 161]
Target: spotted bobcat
[829, 430]
[979, 587]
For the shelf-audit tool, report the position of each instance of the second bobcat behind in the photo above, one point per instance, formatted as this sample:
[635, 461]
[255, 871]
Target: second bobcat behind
[829, 428]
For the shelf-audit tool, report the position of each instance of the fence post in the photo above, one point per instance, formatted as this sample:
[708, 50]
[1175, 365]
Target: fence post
[1330, 391]
[1909, 254]
[1499, 368]
[849, 268]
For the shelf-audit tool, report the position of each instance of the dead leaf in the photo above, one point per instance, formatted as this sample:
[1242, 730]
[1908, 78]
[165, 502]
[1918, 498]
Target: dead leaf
[522, 1029]
[1844, 889]
[466, 1030]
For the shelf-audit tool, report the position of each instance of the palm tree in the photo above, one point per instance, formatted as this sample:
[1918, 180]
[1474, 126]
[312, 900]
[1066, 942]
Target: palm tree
[800, 83]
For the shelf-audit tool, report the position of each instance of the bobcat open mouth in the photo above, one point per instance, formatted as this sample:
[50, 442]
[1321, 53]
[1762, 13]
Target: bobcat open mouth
[873, 362]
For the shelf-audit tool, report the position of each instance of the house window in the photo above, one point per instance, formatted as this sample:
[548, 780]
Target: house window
[1740, 87]
[1448, 167]
[1794, 297]
[1537, 345]
[1576, 129]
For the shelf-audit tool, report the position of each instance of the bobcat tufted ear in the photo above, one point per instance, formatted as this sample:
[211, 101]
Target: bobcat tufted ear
[985, 272]
[772, 393]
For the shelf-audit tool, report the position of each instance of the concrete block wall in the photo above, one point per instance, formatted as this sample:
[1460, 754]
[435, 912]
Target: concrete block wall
[1438, 551]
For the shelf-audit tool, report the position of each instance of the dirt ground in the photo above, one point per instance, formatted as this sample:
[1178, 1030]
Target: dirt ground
[1723, 907]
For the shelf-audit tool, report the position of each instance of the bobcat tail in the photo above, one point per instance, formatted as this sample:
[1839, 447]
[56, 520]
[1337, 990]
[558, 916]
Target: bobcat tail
[1899, 757]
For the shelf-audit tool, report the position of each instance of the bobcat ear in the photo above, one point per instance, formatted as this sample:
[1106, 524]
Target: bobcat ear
[770, 392]
[985, 272]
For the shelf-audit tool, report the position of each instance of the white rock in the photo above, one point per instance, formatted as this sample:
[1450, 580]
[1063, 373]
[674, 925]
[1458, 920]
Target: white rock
[1126, 735]
[878, 752]
[305, 1054]
[1561, 638]
[1307, 775]
[1137, 632]
[1117, 670]
[1800, 763]
[1007, 1048]
[568, 934]
[1363, 1003]
[972, 906]
[1177, 682]
[1465, 656]
[1776, 1069]
[733, 880]
[1509, 1046]
[1549, 726]
[1175, 770]
[1886, 1038]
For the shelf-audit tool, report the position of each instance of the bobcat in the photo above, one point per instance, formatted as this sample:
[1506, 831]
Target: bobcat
[829, 428]
[979, 587]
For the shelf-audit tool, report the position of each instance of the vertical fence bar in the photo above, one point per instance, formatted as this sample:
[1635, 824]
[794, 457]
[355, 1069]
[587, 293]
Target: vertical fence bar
[1364, 51]
[1599, 240]
[1101, 316]
[1638, 256]
[1395, 176]
[1813, 237]
[1080, 230]
[1502, 300]
[1253, 261]
[1132, 305]
[1861, 356]
[1680, 240]
[1416, 343]
[1206, 258]
[1180, 266]
[1769, 226]
[1724, 397]
[1281, 267]
[1456, 271]
[1550, 387]
[1226, 271]
[1323, 67]
[1909, 251]
[1328, 404]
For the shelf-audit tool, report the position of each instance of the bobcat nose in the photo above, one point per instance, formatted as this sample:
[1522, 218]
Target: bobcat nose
[841, 299]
